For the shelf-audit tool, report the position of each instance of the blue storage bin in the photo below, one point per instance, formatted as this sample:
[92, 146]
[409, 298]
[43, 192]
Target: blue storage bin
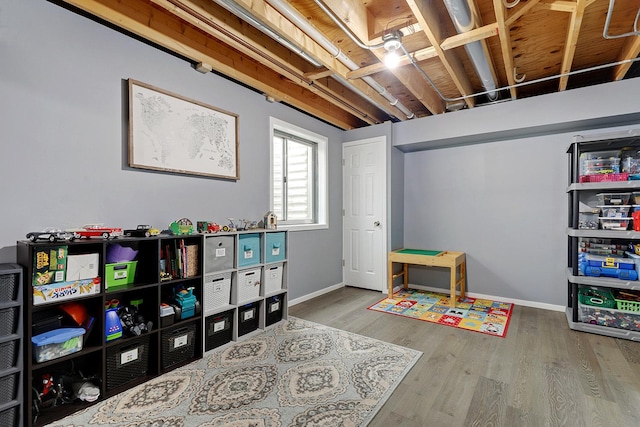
[248, 249]
[276, 247]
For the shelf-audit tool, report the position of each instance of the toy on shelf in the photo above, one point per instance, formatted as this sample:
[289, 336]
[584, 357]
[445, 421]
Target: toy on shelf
[132, 321]
[142, 230]
[270, 221]
[51, 234]
[186, 304]
[96, 230]
[181, 226]
[113, 326]
[207, 227]
[231, 227]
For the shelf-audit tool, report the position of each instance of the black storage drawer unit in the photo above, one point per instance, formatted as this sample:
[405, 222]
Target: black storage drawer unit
[219, 330]
[248, 318]
[9, 354]
[9, 417]
[9, 320]
[274, 306]
[178, 345]
[128, 361]
[9, 388]
[9, 285]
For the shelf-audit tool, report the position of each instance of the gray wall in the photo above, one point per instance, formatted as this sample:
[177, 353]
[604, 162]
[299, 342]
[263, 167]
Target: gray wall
[63, 119]
[492, 183]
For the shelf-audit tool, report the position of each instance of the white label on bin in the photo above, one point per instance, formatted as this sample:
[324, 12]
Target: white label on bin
[220, 252]
[218, 326]
[247, 315]
[129, 356]
[181, 341]
[121, 274]
[275, 251]
[248, 254]
[273, 273]
[275, 306]
[217, 287]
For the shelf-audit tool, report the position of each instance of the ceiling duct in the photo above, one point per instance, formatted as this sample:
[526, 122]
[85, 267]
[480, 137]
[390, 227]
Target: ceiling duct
[460, 14]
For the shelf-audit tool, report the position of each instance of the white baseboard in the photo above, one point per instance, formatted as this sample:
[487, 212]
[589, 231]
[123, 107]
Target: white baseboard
[314, 294]
[534, 304]
[524, 303]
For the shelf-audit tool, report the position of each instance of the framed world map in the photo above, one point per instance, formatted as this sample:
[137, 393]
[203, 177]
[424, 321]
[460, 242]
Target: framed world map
[171, 133]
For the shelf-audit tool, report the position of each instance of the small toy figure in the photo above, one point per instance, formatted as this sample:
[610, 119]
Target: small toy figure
[270, 221]
[231, 227]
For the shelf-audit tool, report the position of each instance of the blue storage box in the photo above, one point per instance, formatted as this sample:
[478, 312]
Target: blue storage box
[276, 247]
[248, 249]
[57, 343]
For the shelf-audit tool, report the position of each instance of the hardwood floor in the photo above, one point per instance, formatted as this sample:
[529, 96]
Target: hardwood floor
[541, 374]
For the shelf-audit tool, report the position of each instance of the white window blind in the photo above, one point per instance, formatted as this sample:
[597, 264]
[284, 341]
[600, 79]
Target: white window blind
[294, 178]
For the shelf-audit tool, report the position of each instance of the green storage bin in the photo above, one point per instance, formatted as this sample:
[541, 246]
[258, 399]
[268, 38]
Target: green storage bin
[121, 273]
[596, 297]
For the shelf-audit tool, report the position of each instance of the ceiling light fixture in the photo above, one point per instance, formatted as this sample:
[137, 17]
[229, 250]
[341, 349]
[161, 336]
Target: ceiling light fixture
[392, 41]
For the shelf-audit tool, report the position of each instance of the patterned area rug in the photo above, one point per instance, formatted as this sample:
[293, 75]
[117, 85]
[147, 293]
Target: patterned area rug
[298, 373]
[474, 314]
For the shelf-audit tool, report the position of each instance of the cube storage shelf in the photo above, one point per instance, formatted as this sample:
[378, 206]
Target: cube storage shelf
[592, 190]
[168, 269]
[11, 333]
[243, 272]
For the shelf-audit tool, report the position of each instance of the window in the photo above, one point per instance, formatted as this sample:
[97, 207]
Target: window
[298, 176]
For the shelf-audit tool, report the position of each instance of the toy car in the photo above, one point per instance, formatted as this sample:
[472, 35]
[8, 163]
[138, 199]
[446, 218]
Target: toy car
[207, 227]
[51, 234]
[142, 230]
[96, 230]
[181, 226]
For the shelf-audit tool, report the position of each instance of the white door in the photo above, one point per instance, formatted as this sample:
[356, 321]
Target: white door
[364, 202]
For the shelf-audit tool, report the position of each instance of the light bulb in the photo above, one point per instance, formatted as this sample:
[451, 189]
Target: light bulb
[392, 59]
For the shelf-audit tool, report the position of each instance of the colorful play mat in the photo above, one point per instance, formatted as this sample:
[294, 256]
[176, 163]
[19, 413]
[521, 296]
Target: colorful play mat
[474, 314]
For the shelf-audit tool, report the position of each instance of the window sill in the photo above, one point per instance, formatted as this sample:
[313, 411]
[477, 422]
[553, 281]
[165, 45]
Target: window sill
[302, 227]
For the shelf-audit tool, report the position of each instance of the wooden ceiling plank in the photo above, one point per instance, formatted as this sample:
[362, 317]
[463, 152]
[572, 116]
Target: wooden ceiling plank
[201, 15]
[278, 23]
[319, 74]
[222, 59]
[571, 42]
[558, 6]
[520, 11]
[480, 33]
[630, 50]
[354, 14]
[429, 22]
[505, 46]
[420, 55]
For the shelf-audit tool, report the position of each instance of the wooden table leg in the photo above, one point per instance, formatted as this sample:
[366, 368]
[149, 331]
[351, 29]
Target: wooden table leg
[390, 278]
[405, 270]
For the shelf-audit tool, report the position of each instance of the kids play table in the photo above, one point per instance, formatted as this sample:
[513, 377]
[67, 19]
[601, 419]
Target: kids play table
[455, 261]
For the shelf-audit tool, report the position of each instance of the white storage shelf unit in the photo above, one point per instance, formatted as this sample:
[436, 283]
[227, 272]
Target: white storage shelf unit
[245, 284]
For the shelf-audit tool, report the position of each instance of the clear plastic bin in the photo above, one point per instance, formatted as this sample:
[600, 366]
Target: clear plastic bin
[621, 211]
[607, 199]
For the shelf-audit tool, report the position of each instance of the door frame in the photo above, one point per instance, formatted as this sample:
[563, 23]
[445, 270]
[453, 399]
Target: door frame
[386, 227]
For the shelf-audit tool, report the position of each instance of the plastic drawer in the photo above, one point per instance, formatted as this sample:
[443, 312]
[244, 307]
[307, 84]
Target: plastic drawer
[218, 330]
[217, 291]
[127, 362]
[178, 345]
[219, 253]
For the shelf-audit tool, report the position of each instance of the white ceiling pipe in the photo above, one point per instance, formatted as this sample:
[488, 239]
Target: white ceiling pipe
[461, 16]
[301, 22]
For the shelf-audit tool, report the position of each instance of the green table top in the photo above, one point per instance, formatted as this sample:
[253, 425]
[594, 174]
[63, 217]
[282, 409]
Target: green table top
[424, 252]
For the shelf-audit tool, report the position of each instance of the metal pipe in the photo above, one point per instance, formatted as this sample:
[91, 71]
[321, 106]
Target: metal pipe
[301, 22]
[460, 14]
[605, 32]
